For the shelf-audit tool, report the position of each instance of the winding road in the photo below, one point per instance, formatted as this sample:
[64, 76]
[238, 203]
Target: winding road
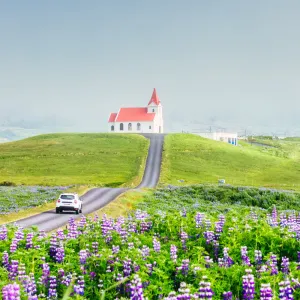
[96, 198]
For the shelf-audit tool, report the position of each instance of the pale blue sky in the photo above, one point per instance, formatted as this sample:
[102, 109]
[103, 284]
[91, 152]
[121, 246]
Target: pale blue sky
[237, 61]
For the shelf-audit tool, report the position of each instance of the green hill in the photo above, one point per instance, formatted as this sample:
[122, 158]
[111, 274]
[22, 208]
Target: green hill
[67, 159]
[197, 160]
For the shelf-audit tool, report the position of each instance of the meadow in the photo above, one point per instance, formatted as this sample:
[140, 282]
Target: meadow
[190, 159]
[74, 159]
[177, 243]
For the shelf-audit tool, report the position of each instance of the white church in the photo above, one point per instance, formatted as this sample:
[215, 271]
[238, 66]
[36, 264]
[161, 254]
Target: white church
[138, 119]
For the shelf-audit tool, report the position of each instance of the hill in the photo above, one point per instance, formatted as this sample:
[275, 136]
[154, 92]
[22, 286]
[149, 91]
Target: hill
[67, 159]
[194, 159]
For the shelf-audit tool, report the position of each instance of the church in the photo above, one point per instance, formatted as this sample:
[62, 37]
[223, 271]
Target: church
[138, 119]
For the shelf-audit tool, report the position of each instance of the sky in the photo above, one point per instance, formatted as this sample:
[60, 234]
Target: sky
[71, 63]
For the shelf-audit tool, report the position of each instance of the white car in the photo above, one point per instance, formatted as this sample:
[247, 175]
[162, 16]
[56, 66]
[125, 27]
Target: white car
[70, 201]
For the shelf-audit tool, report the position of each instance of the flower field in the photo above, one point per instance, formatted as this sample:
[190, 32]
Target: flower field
[13, 199]
[179, 243]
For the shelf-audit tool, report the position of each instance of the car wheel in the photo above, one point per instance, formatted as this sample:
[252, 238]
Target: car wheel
[57, 211]
[77, 211]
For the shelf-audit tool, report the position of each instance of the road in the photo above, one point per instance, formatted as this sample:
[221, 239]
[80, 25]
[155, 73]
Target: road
[96, 198]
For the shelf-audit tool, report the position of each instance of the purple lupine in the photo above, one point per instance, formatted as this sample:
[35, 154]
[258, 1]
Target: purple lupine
[209, 236]
[52, 293]
[208, 262]
[183, 237]
[79, 287]
[207, 223]
[11, 292]
[115, 249]
[258, 257]
[42, 234]
[298, 266]
[205, 291]
[136, 289]
[53, 245]
[83, 255]
[156, 244]
[82, 222]
[60, 235]
[245, 258]
[173, 253]
[266, 292]
[14, 245]
[183, 213]
[45, 274]
[29, 243]
[5, 260]
[60, 254]
[3, 233]
[199, 219]
[227, 295]
[248, 285]
[285, 290]
[283, 220]
[66, 280]
[13, 270]
[136, 267]
[216, 248]
[227, 259]
[184, 268]
[285, 265]
[127, 267]
[130, 246]
[273, 264]
[274, 217]
[253, 216]
[21, 271]
[145, 251]
[31, 289]
[95, 246]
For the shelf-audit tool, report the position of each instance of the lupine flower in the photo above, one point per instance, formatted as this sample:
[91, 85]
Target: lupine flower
[245, 258]
[79, 287]
[83, 255]
[285, 290]
[52, 294]
[173, 253]
[13, 270]
[199, 219]
[183, 213]
[11, 292]
[184, 268]
[53, 245]
[274, 217]
[227, 295]
[273, 264]
[145, 251]
[183, 236]
[266, 292]
[66, 280]
[208, 261]
[216, 248]
[258, 257]
[45, 274]
[136, 289]
[156, 244]
[3, 233]
[248, 285]
[60, 254]
[285, 265]
[115, 249]
[95, 246]
[227, 259]
[5, 260]
[298, 266]
[205, 291]
[29, 238]
[127, 267]
[209, 236]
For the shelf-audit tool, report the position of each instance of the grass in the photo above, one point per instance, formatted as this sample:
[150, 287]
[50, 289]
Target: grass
[80, 159]
[194, 159]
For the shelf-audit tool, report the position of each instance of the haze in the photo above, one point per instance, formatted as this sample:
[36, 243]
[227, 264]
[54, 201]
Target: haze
[230, 63]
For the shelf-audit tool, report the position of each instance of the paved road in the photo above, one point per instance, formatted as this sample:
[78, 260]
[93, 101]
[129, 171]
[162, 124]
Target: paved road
[96, 198]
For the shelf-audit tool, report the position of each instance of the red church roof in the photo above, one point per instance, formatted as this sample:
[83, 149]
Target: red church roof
[133, 114]
[112, 117]
[154, 99]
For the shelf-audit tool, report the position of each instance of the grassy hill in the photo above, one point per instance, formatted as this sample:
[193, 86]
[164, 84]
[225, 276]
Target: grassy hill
[67, 159]
[197, 160]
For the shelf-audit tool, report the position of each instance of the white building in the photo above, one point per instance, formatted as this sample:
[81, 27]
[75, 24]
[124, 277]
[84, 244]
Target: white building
[138, 119]
[231, 138]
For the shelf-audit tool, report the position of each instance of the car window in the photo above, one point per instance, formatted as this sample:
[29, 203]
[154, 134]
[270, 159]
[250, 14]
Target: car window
[67, 197]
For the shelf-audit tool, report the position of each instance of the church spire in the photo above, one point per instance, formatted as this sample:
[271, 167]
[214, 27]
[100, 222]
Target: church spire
[154, 98]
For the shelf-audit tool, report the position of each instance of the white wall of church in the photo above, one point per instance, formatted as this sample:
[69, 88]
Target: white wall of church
[145, 127]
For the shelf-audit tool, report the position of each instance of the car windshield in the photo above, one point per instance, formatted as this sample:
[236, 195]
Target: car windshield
[67, 197]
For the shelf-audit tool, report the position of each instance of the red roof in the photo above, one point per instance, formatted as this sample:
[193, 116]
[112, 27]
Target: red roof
[132, 114]
[112, 117]
[154, 99]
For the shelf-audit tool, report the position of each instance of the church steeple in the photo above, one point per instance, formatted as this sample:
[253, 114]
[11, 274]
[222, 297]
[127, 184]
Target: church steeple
[154, 98]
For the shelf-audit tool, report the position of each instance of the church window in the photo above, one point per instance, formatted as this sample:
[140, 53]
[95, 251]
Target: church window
[150, 127]
[112, 128]
[129, 126]
[153, 110]
[138, 126]
[121, 127]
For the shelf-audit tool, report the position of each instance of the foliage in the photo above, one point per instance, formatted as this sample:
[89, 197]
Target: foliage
[67, 159]
[190, 159]
[197, 222]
